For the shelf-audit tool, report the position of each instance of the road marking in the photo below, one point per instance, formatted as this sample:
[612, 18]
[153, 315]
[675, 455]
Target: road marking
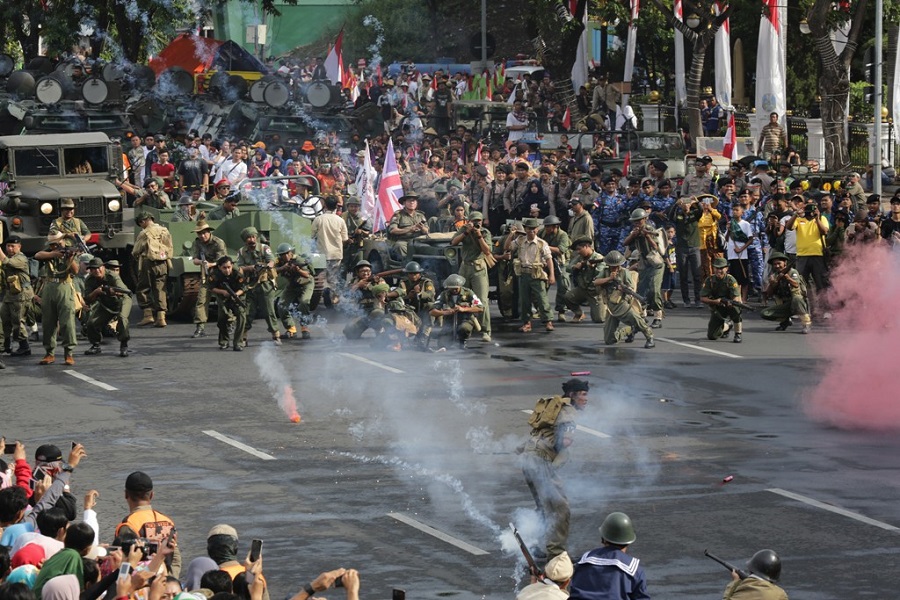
[91, 380]
[832, 508]
[238, 445]
[599, 434]
[696, 347]
[439, 534]
[363, 359]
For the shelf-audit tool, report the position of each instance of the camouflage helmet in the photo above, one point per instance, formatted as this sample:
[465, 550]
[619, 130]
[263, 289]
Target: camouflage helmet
[455, 281]
[247, 232]
[413, 267]
[618, 529]
[614, 259]
[284, 248]
[765, 564]
[638, 214]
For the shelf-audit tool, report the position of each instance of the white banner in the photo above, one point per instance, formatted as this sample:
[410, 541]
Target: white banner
[770, 75]
[680, 81]
[580, 68]
[723, 61]
[629, 50]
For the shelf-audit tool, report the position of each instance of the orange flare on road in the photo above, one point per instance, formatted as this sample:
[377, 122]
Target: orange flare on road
[289, 404]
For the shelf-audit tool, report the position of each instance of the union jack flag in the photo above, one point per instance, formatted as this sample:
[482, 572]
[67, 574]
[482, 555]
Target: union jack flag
[390, 190]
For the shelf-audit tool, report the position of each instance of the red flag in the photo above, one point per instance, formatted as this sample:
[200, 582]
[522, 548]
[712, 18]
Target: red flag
[567, 120]
[729, 148]
[378, 74]
[489, 93]
[334, 62]
[626, 166]
[390, 190]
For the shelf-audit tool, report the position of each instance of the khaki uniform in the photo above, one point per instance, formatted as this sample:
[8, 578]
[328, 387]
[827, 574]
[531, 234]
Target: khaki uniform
[153, 251]
[532, 258]
[17, 297]
[421, 302]
[220, 214]
[297, 295]
[651, 274]
[753, 588]
[581, 226]
[716, 288]
[232, 317]
[106, 308]
[58, 305]
[211, 251]
[473, 266]
[560, 240]
[261, 288]
[789, 301]
[463, 323]
[623, 309]
[373, 317]
[403, 219]
[583, 289]
[73, 225]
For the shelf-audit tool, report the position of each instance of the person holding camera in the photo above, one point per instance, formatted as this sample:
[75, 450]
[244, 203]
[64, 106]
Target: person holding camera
[811, 228]
[337, 578]
[142, 520]
[475, 243]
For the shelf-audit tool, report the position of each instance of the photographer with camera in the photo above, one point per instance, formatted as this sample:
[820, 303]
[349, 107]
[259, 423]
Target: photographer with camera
[811, 228]
[345, 578]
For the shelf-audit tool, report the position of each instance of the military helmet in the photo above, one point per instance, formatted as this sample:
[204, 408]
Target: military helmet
[381, 288]
[142, 216]
[582, 241]
[720, 263]
[247, 232]
[618, 529]
[638, 214]
[614, 259]
[476, 216]
[362, 263]
[776, 256]
[440, 188]
[413, 267]
[765, 564]
[575, 385]
[284, 248]
[551, 220]
[455, 281]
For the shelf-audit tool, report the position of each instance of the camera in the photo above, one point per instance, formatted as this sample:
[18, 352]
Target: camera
[809, 211]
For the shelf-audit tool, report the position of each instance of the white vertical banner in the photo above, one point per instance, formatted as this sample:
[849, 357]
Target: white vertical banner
[365, 186]
[895, 108]
[770, 76]
[580, 68]
[680, 81]
[723, 60]
[629, 51]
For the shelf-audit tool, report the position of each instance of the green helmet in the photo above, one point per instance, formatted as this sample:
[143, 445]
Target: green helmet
[776, 256]
[765, 564]
[551, 220]
[362, 263]
[614, 259]
[617, 529]
[284, 248]
[381, 288]
[455, 281]
[413, 267]
[440, 188]
[247, 232]
[638, 214]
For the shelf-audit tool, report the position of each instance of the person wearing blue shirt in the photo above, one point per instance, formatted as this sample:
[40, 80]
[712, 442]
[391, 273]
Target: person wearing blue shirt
[608, 572]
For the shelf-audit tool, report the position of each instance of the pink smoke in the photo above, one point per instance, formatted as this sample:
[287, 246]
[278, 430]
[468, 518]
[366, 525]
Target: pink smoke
[289, 404]
[857, 389]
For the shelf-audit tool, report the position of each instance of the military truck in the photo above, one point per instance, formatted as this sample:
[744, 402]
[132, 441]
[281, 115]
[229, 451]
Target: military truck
[36, 171]
[432, 251]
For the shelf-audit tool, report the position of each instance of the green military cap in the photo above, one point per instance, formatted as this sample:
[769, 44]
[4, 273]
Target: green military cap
[531, 223]
[582, 241]
[67, 203]
[476, 216]
[776, 256]
[381, 288]
[113, 264]
[247, 232]
[720, 263]
[440, 188]
[142, 216]
[352, 200]
[94, 263]
[455, 183]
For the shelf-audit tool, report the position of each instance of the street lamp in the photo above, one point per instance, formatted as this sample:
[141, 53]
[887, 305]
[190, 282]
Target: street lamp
[693, 21]
[804, 27]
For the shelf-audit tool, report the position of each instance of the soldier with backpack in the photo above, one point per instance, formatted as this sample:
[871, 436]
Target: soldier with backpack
[546, 451]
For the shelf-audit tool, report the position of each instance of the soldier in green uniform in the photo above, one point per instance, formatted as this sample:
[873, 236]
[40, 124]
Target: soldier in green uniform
[648, 242]
[546, 451]
[624, 309]
[718, 292]
[787, 288]
[580, 222]
[298, 293]
[405, 225]
[762, 584]
[507, 282]
[475, 253]
[154, 197]
[227, 283]
[227, 210]
[205, 252]
[257, 265]
[153, 252]
[558, 240]
[586, 266]
[17, 296]
[109, 299]
[358, 229]
[459, 307]
[417, 293]
[68, 224]
[58, 298]
[535, 271]
[360, 290]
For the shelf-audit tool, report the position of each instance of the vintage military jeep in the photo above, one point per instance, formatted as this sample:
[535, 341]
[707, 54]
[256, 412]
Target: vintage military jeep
[432, 251]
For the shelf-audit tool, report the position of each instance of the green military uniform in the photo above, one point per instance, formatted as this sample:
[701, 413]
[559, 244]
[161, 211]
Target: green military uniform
[473, 266]
[652, 268]
[220, 214]
[402, 219]
[530, 264]
[789, 300]
[297, 295]
[210, 252]
[69, 226]
[373, 312]
[418, 296]
[559, 240]
[17, 297]
[108, 306]
[353, 251]
[158, 199]
[623, 309]
[153, 251]
[753, 588]
[726, 288]
[507, 283]
[584, 272]
[58, 304]
[582, 226]
[232, 317]
[465, 323]
[261, 288]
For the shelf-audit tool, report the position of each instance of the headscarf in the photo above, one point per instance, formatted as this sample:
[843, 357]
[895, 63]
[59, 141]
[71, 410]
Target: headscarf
[65, 562]
[222, 548]
[25, 574]
[63, 587]
[195, 571]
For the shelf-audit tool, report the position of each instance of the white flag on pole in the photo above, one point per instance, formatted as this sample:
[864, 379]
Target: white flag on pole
[723, 60]
[770, 76]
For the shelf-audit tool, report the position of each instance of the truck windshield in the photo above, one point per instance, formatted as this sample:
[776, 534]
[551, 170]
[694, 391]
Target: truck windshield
[85, 159]
[31, 162]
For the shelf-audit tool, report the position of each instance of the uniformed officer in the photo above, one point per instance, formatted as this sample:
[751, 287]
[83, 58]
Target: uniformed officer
[580, 223]
[646, 240]
[298, 293]
[109, 299]
[205, 252]
[58, 298]
[257, 265]
[405, 225]
[68, 224]
[624, 308]
[535, 271]
[228, 208]
[418, 293]
[787, 288]
[360, 290]
[546, 451]
[608, 571]
[585, 266]
[227, 283]
[459, 305]
[719, 292]
[608, 217]
[358, 229]
[475, 260]
[153, 252]
[558, 240]
[17, 296]
[762, 584]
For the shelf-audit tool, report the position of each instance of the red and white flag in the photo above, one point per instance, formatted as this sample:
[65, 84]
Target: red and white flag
[770, 63]
[390, 190]
[334, 62]
[478, 154]
[567, 120]
[729, 147]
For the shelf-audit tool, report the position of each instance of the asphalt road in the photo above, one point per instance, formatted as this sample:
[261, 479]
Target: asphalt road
[404, 464]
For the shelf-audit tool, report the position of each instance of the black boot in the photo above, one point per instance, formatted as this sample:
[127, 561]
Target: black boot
[94, 350]
[23, 350]
[123, 350]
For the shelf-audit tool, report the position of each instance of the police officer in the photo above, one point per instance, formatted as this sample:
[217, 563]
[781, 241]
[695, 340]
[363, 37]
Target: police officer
[787, 288]
[535, 271]
[608, 571]
[418, 293]
[644, 238]
[558, 240]
[461, 306]
[227, 283]
[205, 252]
[475, 251]
[765, 571]
[585, 266]
[17, 297]
[624, 308]
[58, 298]
[719, 292]
[109, 299]
[546, 451]
[298, 293]
[68, 224]
[257, 265]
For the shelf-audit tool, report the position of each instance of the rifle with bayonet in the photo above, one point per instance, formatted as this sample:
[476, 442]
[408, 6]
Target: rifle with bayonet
[740, 572]
[532, 566]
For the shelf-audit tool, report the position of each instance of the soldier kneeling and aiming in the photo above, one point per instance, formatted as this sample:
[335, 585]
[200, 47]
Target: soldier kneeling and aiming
[462, 305]
[720, 292]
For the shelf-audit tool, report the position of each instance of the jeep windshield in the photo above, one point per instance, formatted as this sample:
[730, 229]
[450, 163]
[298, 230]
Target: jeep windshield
[86, 160]
[37, 162]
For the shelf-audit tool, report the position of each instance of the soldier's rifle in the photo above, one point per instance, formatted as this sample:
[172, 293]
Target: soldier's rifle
[740, 572]
[729, 302]
[114, 289]
[388, 273]
[532, 566]
[204, 269]
[617, 285]
[232, 295]
[80, 245]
